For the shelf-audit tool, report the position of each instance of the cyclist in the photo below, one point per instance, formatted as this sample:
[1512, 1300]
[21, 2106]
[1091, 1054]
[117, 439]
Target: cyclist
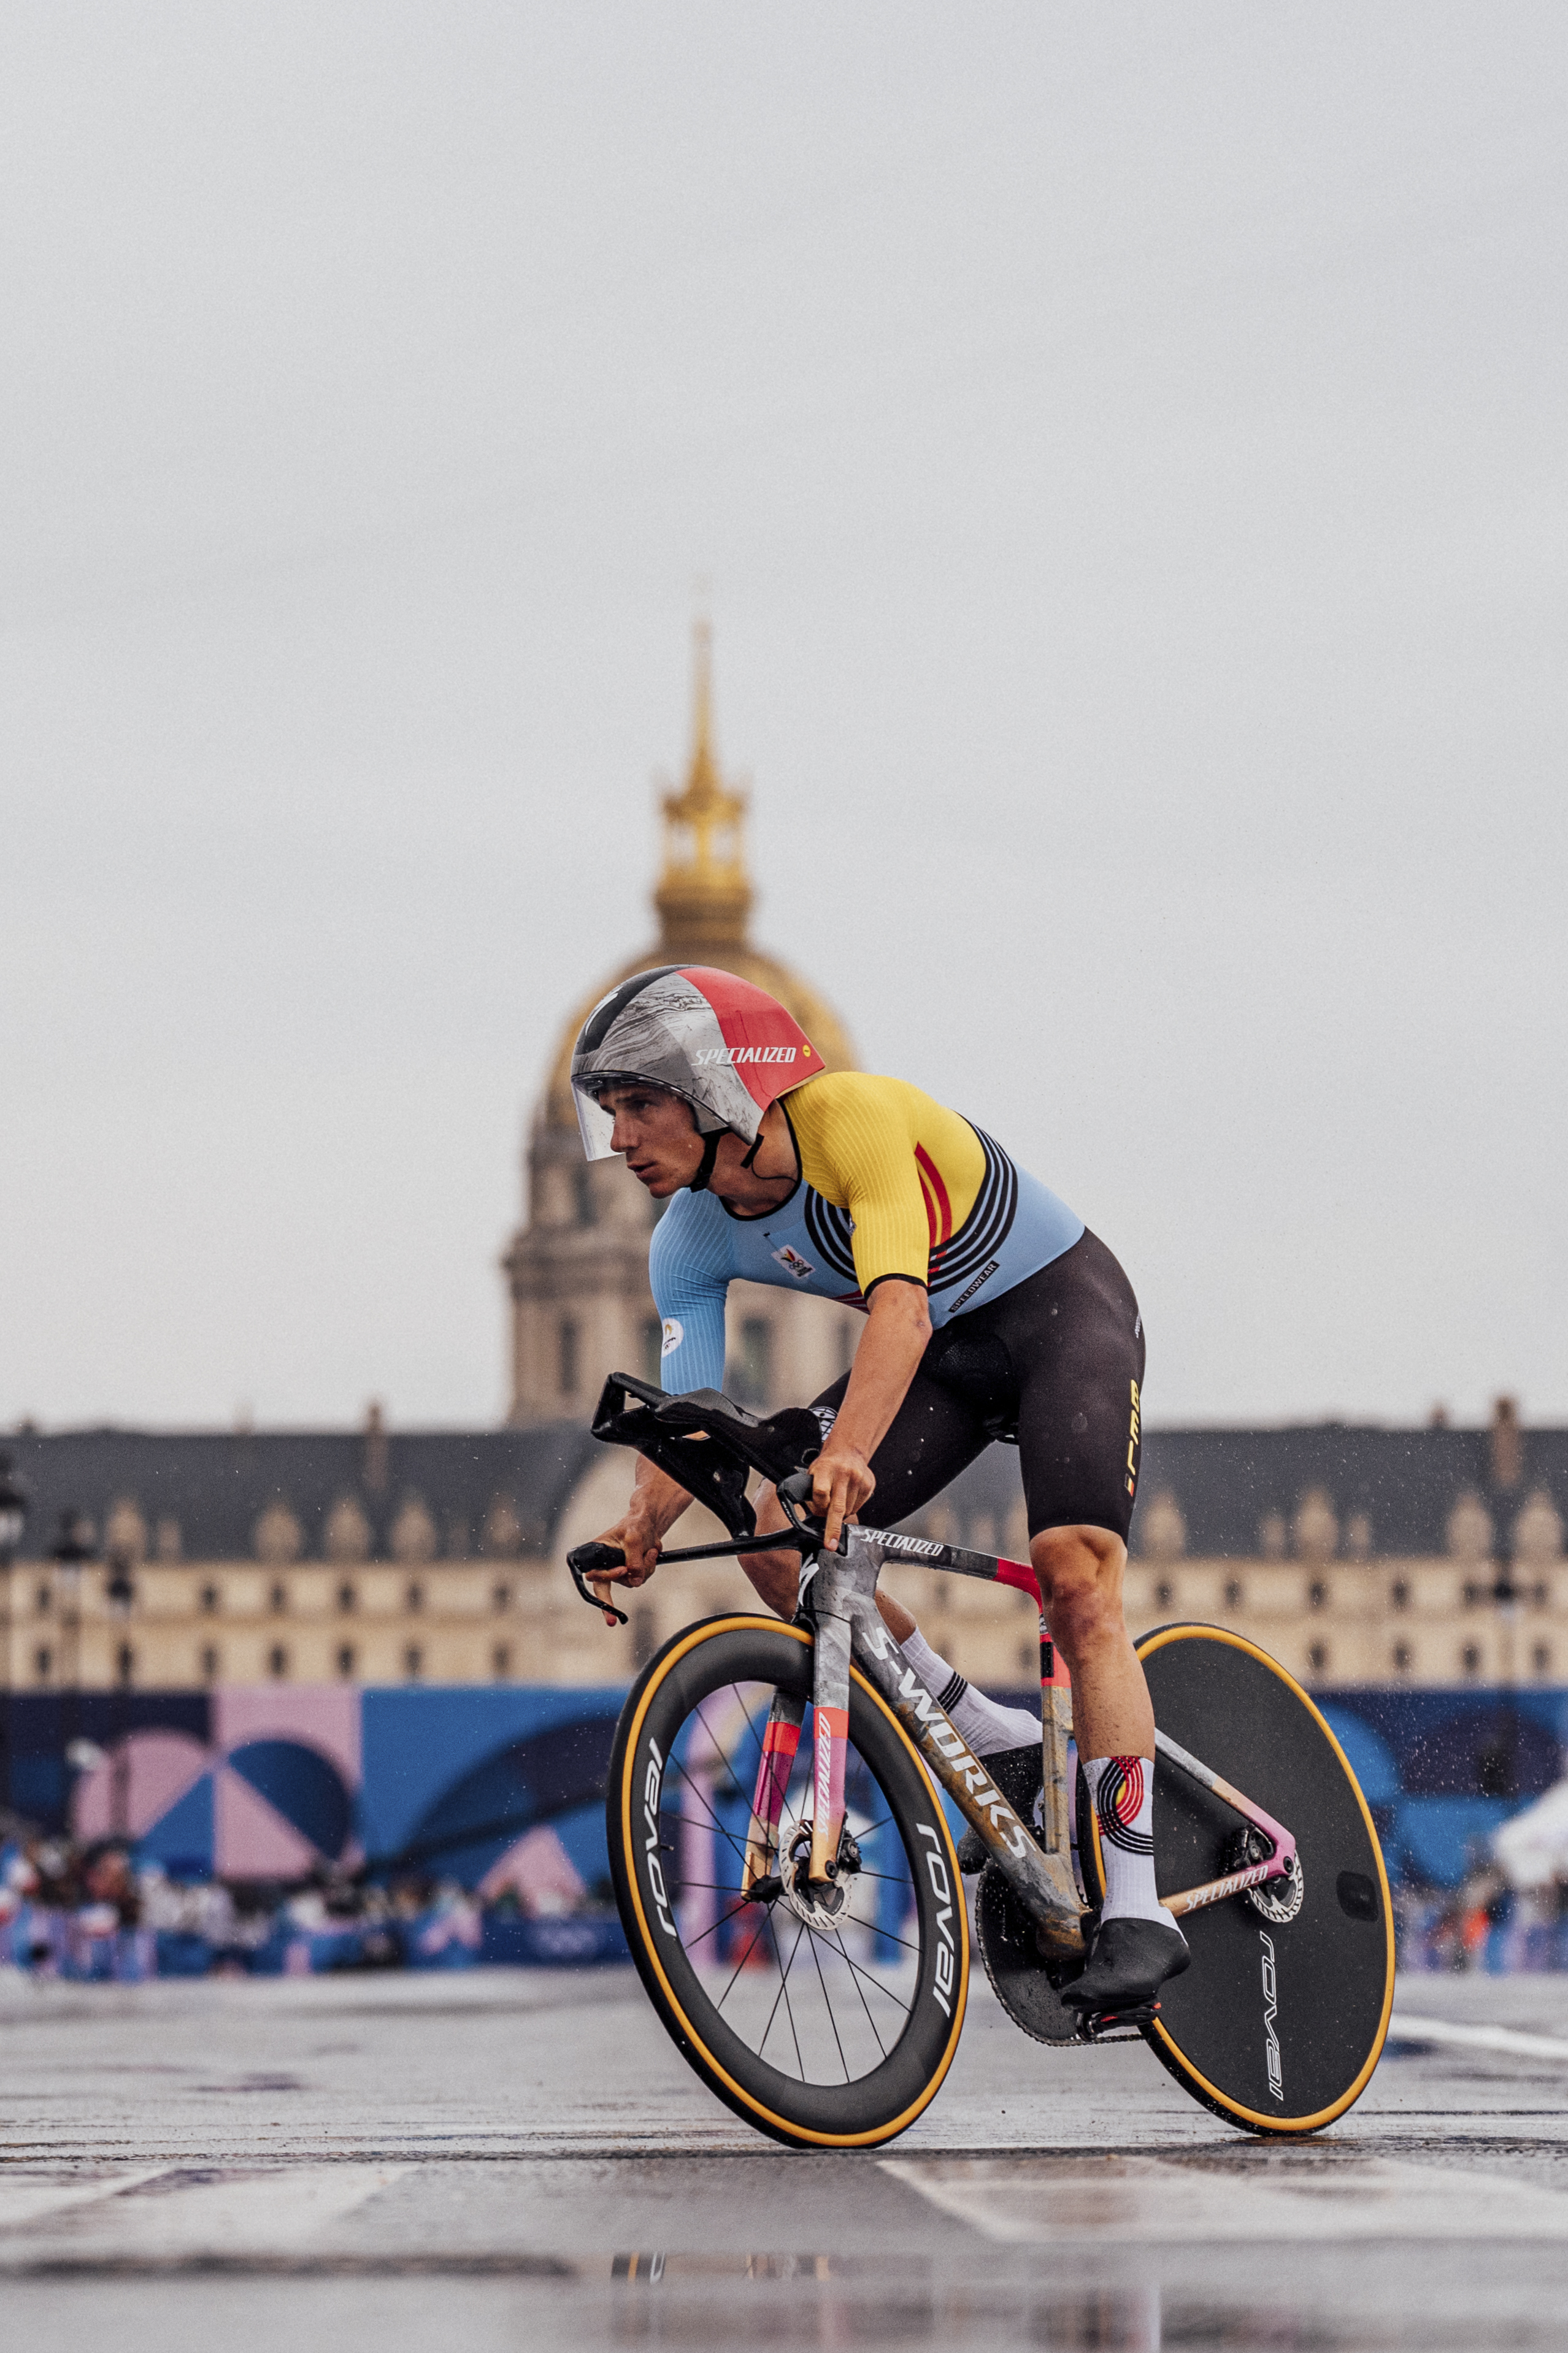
[991, 1311]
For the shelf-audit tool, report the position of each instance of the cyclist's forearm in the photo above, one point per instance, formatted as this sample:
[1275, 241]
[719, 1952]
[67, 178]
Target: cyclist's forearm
[657, 1495]
[897, 1331]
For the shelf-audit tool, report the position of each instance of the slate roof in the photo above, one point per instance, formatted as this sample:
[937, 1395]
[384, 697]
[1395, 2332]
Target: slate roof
[216, 1484]
[1227, 1480]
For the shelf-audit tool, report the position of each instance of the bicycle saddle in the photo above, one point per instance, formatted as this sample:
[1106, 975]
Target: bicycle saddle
[706, 1441]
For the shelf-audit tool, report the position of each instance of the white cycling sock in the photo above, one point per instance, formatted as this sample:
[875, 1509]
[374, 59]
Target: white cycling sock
[986, 1727]
[1123, 1789]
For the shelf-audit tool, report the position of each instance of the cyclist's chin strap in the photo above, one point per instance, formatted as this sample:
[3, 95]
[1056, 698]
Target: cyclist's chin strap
[699, 1183]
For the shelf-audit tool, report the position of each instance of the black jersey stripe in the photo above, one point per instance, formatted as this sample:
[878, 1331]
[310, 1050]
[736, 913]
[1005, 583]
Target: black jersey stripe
[830, 1229]
[987, 1224]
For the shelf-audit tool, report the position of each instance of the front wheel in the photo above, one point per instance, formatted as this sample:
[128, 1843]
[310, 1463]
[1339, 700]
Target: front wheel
[834, 2038]
[1280, 2020]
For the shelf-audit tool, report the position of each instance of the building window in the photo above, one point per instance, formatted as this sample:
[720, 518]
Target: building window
[1316, 1595]
[1538, 1594]
[415, 1597]
[652, 1350]
[584, 1207]
[1234, 1594]
[1470, 1659]
[347, 1599]
[567, 1359]
[1163, 1594]
[346, 1662]
[1402, 1658]
[125, 1666]
[43, 1600]
[277, 1662]
[278, 1601]
[501, 1661]
[208, 1669]
[1399, 1595]
[1317, 1657]
[1541, 1658]
[43, 1662]
[1474, 1594]
[413, 1662]
[753, 1375]
[210, 1600]
[502, 1597]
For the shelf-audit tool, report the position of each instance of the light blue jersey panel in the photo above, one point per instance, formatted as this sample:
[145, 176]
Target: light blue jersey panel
[698, 1250]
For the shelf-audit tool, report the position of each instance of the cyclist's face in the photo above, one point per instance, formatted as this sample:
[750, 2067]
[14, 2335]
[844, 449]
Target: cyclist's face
[658, 1134]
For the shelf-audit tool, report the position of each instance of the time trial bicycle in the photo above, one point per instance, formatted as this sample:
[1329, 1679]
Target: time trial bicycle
[791, 1896]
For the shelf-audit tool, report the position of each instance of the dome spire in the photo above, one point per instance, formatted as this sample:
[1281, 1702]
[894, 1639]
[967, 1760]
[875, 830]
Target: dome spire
[704, 894]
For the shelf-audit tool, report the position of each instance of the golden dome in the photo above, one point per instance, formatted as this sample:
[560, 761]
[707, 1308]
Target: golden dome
[703, 900]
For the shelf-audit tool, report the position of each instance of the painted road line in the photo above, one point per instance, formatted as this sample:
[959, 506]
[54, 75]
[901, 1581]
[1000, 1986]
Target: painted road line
[1402, 2028]
[255, 2213]
[29, 2195]
[1146, 2200]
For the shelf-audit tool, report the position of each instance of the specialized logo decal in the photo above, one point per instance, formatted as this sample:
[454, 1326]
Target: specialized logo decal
[1119, 1804]
[793, 1264]
[942, 1889]
[729, 1056]
[674, 1333]
[1134, 1427]
[920, 1548]
[1270, 2012]
[983, 1276]
[651, 1783]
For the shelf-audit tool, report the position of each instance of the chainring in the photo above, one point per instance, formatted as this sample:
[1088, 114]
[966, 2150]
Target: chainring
[1016, 1967]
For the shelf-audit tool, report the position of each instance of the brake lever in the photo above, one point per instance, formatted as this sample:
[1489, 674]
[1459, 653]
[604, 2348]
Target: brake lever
[797, 1490]
[594, 1559]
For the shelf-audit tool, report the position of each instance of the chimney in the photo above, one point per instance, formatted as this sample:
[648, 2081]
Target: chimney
[1508, 1443]
[376, 1452]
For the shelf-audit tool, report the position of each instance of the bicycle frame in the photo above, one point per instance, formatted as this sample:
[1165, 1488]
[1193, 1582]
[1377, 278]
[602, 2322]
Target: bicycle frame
[838, 1597]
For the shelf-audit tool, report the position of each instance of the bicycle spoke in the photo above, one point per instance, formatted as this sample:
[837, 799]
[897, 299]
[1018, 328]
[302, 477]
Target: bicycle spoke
[827, 2005]
[692, 1942]
[712, 1821]
[763, 1922]
[885, 1990]
[784, 1996]
[865, 2006]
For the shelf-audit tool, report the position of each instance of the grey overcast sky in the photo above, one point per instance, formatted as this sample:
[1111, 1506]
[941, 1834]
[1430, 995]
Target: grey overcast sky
[1125, 450]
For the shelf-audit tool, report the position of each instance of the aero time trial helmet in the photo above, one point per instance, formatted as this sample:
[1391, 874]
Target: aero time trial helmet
[726, 1048]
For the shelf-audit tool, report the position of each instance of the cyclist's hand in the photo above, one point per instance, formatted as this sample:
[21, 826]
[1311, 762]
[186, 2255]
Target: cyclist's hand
[637, 1537]
[841, 1481]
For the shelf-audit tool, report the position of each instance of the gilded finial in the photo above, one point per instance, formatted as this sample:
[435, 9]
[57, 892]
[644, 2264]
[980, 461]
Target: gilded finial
[704, 896]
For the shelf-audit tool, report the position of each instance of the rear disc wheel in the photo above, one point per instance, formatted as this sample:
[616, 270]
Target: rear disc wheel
[1278, 2022]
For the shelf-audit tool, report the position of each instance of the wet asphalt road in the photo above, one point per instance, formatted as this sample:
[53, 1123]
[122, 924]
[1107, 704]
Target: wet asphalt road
[507, 2159]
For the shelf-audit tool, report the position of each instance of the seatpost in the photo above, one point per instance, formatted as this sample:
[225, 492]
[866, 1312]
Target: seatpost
[1055, 1729]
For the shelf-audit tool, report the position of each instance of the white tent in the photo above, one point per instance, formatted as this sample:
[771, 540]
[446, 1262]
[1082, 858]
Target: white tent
[1532, 1847]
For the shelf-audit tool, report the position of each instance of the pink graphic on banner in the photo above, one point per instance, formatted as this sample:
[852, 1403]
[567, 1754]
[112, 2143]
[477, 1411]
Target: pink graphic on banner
[142, 1777]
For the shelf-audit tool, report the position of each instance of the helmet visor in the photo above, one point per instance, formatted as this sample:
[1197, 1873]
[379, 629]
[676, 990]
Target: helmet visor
[595, 1125]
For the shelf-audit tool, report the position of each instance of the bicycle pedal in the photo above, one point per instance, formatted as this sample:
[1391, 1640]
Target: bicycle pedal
[1100, 2024]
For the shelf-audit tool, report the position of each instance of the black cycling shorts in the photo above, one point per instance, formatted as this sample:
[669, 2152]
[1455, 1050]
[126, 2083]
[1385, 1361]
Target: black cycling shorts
[1057, 1364]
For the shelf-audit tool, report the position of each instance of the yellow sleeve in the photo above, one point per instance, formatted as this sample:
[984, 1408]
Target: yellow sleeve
[893, 1158]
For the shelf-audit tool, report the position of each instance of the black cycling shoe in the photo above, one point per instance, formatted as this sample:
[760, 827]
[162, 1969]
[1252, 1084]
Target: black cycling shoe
[1129, 1961]
[1017, 1774]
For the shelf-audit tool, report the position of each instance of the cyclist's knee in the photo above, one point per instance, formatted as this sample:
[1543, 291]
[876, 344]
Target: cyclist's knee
[1080, 1573]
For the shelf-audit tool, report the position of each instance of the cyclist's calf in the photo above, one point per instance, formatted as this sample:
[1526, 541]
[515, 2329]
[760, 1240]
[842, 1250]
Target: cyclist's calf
[1080, 1573]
